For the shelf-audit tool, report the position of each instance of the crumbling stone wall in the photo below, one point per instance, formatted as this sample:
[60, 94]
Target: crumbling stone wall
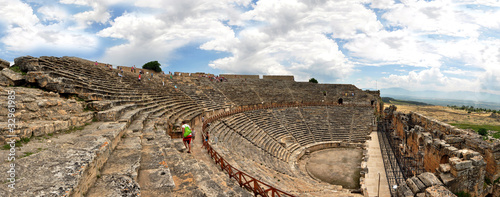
[279, 77]
[38, 113]
[128, 69]
[459, 164]
[235, 76]
[181, 74]
[201, 74]
[460, 139]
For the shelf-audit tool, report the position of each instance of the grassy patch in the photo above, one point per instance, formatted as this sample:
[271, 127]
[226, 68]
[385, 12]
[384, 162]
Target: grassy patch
[476, 127]
[487, 180]
[18, 143]
[26, 154]
[497, 180]
[6, 147]
[17, 70]
[87, 108]
[463, 194]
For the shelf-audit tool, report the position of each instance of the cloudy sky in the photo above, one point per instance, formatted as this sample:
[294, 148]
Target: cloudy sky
[440, 45]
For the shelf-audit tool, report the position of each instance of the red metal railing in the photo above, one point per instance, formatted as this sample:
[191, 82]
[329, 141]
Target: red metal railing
[245, 180]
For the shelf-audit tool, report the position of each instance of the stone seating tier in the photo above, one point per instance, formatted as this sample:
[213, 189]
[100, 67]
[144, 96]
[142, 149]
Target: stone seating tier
[257, 128]
[255, 91]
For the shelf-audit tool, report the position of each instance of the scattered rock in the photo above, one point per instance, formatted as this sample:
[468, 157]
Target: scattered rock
[429, 179]
[438, 191]
[4, 64]
[16, 78]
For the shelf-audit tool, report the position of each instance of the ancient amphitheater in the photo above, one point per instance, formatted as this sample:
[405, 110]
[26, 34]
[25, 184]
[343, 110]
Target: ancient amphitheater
[82, 130]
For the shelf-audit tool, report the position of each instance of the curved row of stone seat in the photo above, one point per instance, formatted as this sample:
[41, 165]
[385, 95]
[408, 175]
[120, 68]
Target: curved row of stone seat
[193, 91]
[243, 155]
[236, 146]
[89, 75]
[211, 90]
[291, 119]
[127, 92]
[250, 131]
[101, 79]
[267, 121]
[280, 131]
[237, 140]
[255, 91]
[317, 121]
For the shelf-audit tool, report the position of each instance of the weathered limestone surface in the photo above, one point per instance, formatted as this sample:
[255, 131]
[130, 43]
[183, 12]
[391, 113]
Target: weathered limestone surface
[425, 184]
[438, 191]
[4, 64]
[8, 77]
[38, 113]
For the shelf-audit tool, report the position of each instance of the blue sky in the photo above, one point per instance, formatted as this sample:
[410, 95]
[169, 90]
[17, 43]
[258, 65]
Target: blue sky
[420, 45]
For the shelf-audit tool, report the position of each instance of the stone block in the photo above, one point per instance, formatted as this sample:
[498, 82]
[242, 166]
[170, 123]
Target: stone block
[115, 186]
[16, 78]
[415, 184]
[60, 171]
[429, 179]
[496, 148]
[467, 154]
[450, 150]
[447, 178]
[156, 179]
[123, 162]
[461, 165]
[404, 191]
[478, 161]
[438, 191]
[27, 63]
[4, 81]
[4, 64]
[457, 173]
[444, 168]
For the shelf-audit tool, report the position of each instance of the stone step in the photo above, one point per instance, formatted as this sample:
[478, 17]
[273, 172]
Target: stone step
[69, 165]
[114, 113]
[182, 174]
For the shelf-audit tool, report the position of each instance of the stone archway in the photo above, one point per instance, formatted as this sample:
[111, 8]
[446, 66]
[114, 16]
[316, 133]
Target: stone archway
[340, 101]
[444, 159]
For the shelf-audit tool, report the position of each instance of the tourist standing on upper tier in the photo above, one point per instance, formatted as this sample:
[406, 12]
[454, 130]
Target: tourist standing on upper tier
[139, 77]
